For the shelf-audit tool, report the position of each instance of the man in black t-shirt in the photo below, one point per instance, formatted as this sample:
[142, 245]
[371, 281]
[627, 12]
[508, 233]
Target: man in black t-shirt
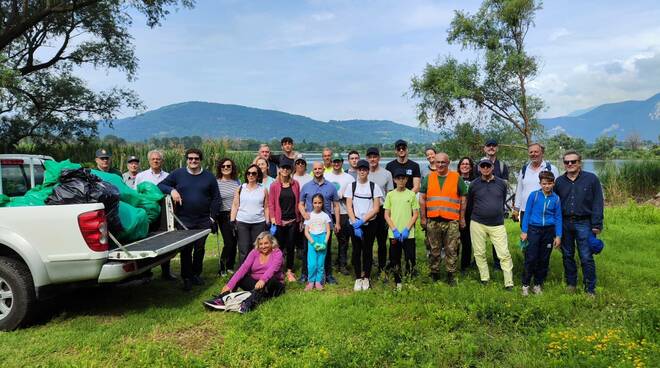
[402, 162]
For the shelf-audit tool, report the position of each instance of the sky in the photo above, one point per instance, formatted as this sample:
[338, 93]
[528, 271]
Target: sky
[340, 59]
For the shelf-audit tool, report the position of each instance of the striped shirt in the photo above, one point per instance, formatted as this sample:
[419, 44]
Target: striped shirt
[227, 190]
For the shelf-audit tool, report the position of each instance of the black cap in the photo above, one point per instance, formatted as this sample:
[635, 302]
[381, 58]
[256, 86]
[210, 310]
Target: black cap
[373, 151]
[103, 153]
[399, 172]
[133, 158]
[286, 162]
[400, 142]
[485, 160]
[362, 163]
[491, 142]
[286, 140]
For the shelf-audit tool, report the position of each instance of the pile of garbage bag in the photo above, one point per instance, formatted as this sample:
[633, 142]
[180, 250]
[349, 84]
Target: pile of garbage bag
[128, 211]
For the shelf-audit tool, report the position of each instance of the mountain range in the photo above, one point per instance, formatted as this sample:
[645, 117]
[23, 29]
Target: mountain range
[214, 120]
[620, 119]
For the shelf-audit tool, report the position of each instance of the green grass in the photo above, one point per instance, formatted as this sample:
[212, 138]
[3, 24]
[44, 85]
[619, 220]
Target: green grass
[633, 179]
[426, 324]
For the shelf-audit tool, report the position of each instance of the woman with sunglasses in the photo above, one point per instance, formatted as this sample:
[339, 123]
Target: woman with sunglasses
[466, 169]
[283, 197]
[228, 183]
[249, 210]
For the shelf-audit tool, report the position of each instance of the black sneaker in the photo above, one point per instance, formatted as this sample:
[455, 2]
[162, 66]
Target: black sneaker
[302, 279]
[331, 280]
[508, 288]
[187, 284]
[435, 277]
[197, 280]
[168, 276]
[484, 283]
[451, 280]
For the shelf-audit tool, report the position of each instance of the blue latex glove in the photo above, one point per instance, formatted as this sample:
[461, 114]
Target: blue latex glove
[404, 234]
[358, 223]
[273, 229]
[358, 232]
[396, 233]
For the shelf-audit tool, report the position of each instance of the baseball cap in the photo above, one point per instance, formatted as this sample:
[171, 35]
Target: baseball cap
[286, 140]
[400, 142]
[491, 142]
[133, 158]
[300, 157]
[286, 162]
[337, 157]
[373, 151]
[399, 172]
[363, 164]
[485, 160]
[595, 244]
[103, 153]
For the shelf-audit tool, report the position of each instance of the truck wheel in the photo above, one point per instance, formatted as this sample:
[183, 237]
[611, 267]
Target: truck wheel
[17, 296]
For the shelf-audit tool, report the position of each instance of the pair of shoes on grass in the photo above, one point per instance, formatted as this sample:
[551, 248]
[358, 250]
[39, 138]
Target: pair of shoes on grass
[361, 284]
[313, 285]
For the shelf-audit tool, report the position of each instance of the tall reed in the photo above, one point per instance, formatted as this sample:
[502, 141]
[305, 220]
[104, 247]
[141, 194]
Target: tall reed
[633, 179]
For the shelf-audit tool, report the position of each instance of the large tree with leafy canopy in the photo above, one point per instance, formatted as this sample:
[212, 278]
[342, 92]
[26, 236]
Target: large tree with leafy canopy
[42, 45]
[495, 86]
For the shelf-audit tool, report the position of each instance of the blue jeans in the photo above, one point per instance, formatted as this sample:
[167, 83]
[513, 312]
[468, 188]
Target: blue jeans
[537, 254]
[577, 232]
[316, 260]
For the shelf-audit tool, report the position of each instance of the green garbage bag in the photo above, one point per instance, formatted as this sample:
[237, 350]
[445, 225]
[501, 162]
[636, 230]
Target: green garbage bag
[3, 200]
[34, 197]
[147, 196]
[54, 169]
[150, 197]
[134, 221]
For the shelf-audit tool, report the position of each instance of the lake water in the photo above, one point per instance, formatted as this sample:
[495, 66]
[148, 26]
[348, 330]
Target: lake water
[588, 165]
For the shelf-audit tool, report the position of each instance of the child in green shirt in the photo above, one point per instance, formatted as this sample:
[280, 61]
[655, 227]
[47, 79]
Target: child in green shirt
[401, 212]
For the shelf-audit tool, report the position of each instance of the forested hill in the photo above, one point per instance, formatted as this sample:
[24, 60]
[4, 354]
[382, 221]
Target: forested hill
[214, 120]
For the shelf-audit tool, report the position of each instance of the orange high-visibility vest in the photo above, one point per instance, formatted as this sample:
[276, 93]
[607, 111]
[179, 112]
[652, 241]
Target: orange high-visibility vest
[443, 202]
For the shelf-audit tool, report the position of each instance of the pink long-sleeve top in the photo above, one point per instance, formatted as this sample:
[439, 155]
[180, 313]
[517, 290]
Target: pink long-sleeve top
[274, 201]
[257, 270]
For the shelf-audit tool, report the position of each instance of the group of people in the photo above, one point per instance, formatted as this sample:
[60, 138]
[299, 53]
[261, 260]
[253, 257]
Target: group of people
[279, 208]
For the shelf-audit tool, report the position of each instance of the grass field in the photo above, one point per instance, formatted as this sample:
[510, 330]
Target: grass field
[424, 325]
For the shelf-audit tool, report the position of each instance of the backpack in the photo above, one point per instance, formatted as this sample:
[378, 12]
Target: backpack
[371, 186]
[548, 167]
[233, 301]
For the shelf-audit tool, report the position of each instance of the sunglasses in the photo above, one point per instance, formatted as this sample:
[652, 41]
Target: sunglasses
[571, 162]
[491, 145]
[401, 148]
[484, 166]
[251, 173]
[226, 166]
[194, 159]
[104, 158]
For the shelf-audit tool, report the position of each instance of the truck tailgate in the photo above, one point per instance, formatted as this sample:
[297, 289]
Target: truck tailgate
[156, 245]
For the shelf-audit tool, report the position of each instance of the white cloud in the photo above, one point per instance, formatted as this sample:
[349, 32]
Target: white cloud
[322, 17]
[558, 33]
[611, 128]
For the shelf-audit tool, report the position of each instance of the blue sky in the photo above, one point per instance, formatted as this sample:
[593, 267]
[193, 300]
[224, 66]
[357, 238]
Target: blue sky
[354, 59]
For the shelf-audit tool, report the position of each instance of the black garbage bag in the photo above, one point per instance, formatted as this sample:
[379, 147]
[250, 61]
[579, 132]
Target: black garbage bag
[81, 186]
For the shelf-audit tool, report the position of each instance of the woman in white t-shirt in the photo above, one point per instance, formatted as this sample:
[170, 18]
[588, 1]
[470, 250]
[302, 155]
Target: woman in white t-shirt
[249, 211]
[363, 199]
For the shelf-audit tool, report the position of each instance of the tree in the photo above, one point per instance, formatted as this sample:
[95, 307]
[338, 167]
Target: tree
[603, 147]
[558, 144]
[43, 41]
[498, 86]
[634, 141]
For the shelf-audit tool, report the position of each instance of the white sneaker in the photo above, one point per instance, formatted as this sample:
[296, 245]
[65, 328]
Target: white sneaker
[365, 284]
[537, 290]
[525, 290]
[399, 286]
[358, 285]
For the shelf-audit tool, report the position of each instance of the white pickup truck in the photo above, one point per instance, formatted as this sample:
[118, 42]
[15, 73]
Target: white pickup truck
[44, 249]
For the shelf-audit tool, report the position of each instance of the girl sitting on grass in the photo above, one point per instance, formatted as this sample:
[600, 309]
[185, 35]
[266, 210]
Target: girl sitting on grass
[317, 232]
[541, 228]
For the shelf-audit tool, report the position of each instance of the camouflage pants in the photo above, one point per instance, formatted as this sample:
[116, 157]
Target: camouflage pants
[443, 235]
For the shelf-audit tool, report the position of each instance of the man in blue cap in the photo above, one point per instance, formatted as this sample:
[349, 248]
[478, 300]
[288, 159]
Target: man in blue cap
[582, 205]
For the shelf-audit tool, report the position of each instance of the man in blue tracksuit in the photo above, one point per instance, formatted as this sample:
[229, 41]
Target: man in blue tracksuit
[542, 229]
[582, 209]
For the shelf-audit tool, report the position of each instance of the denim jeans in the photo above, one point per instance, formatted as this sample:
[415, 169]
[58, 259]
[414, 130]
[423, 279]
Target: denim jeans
[577, 232]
